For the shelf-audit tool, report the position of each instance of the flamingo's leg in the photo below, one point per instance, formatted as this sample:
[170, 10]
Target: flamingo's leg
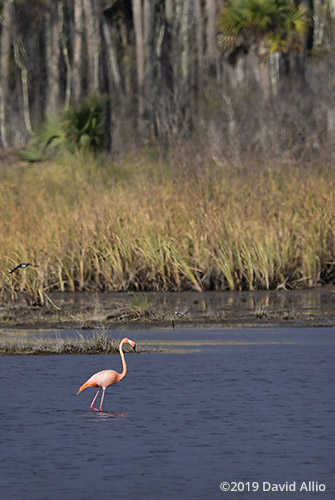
[102, 398]
[95, 397]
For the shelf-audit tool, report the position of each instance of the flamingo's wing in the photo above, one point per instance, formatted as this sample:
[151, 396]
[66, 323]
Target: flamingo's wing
[102, 379]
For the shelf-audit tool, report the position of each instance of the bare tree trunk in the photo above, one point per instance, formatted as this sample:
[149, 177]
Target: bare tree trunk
[178, 73]
[211, 31]
[93, 39]
[148, 32]
[20, 59]
[274, 72]
[65, 56]
[115, 76]
[332, 10]
[320, 14]
[77, 51]
[264, 76]
[4, 69]
[200, 46]
[126, 61]
[232, 126]
[139, 37]
[169, 11]
[186, 47]
[53, 60]
[262, 69]
[114, 83]
[182, 68]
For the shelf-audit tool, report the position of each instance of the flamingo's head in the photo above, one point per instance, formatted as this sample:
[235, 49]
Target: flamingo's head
[130, 342]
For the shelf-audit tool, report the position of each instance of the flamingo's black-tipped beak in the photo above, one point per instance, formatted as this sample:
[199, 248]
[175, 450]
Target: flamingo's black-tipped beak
[132, 344]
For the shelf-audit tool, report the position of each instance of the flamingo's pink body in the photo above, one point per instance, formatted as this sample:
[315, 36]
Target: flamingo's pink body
[106, 378]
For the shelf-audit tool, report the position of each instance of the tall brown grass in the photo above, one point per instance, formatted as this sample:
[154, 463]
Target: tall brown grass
[152, 224]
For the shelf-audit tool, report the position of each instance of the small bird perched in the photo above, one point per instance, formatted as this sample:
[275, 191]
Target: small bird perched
[175, 315]
[23, 265]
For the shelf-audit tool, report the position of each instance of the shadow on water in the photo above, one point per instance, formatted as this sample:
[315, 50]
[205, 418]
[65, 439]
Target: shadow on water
[104, 415]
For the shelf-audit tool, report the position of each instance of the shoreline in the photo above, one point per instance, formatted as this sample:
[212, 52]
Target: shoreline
[109, 311]
[106, 313]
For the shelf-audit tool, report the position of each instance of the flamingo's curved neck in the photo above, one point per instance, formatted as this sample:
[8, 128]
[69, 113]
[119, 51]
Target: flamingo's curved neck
[124, 364]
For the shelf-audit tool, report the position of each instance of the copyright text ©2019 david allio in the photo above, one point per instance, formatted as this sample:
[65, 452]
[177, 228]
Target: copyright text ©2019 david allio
[306, 486]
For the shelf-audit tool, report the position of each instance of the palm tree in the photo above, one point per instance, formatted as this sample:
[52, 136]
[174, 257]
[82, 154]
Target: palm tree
[265, 27]
[277, 24]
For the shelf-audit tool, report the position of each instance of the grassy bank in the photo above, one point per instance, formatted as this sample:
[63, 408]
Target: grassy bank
[152, 224]
[99, 343]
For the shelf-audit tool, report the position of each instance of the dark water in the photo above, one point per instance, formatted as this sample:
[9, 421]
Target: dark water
[179, 424]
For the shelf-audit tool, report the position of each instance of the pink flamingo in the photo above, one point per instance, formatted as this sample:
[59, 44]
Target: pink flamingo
[107, 377]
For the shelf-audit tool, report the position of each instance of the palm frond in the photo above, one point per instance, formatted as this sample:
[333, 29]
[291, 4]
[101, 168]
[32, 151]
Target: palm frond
[279, 21]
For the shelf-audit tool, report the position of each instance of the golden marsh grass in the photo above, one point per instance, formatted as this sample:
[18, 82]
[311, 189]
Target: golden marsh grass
[152, 224]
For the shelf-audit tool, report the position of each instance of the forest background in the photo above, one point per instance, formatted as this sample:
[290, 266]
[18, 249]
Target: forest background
[167, 145]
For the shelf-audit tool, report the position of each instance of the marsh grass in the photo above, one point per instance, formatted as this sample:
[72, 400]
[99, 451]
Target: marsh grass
[140, 308]
[149, 224]
[99, 343]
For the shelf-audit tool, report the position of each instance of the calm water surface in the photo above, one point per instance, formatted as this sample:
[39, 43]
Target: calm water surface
[247, 405]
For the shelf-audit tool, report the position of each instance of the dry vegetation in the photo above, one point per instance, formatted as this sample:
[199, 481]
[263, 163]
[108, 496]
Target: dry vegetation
[99, 343]
[149, 223]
